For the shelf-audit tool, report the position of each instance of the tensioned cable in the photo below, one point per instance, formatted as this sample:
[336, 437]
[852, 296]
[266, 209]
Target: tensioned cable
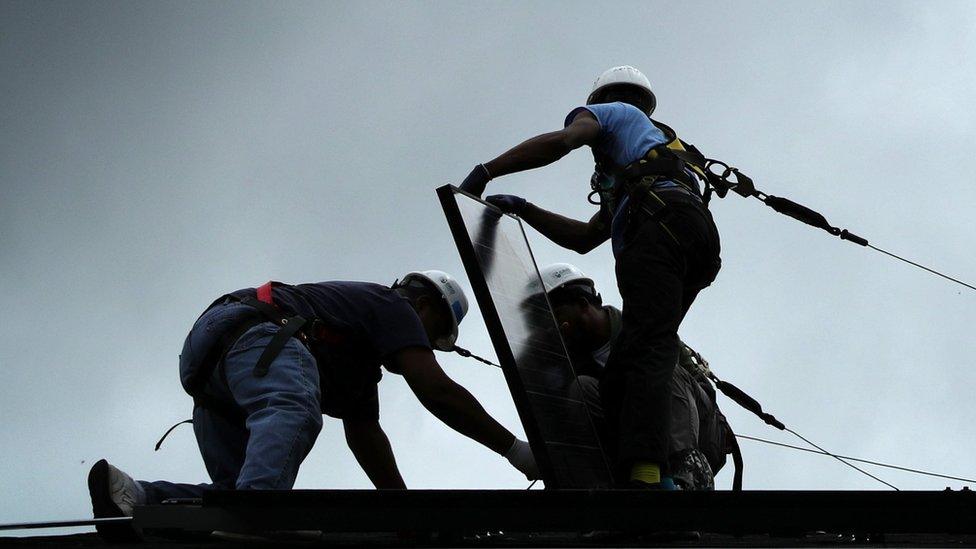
[868, 461]
[752, 405]
[838, 458]
[730, 178]
[933, 271]
[468, 354]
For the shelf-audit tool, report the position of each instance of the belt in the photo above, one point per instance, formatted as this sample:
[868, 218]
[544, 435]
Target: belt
[306, 331]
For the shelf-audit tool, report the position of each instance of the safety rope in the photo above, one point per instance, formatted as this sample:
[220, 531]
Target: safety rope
[739, 397]
[742, 399]
[860, 460]
[838, 458]
[730, 178]
[947, 277]
[468, 354]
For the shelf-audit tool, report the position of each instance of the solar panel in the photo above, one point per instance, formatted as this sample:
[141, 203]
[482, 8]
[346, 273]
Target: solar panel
[509, 290]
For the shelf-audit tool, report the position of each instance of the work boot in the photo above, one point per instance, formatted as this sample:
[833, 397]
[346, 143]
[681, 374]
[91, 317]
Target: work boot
[114, 494]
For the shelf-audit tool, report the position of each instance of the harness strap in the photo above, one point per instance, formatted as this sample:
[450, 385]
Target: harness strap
[264, 293]
[662, 162]
[737, 461]
[697, 162]
[289, 327]
[168, 431]
[215, 356]
[328, 331]
[658, 211]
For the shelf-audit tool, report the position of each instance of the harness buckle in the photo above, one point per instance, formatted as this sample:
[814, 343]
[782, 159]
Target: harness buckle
[658, 211]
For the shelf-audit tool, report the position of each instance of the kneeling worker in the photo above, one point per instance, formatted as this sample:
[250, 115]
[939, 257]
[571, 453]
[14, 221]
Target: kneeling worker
[590, 329]
[264, 364]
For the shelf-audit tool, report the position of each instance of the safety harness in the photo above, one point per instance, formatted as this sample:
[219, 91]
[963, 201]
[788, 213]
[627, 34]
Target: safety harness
[317, 331]
[674, 160]
[308, 332]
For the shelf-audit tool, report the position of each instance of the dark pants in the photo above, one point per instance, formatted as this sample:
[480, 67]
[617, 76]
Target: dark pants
[658, 279]
[687, 463]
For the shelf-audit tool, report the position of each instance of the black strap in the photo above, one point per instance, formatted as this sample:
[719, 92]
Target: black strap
[215, 356]
[196, 387]
[747, 402]
[289, 327]
[737, 461]
[646, 201]
[660, 161]
[168, 431]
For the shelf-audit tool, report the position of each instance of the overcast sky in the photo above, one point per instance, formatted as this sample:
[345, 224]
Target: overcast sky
[156, 155]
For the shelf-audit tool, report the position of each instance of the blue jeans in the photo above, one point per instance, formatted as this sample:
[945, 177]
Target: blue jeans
[282, 409]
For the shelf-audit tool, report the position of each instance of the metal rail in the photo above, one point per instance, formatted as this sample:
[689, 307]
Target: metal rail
[749, 512]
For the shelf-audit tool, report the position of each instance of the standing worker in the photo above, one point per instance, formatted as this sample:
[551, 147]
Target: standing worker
[665, 245]
[263, 365]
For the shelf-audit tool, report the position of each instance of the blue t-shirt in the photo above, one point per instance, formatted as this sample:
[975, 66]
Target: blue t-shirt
[374, 321]
[626, 134]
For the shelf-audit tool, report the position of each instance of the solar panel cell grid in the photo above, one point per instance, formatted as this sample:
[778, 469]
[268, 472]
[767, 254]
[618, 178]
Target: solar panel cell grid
[510, 293]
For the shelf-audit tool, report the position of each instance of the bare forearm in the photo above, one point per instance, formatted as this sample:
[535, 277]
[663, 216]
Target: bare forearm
[536, 152]
[457, 408]
[375, 455]
[571, 234]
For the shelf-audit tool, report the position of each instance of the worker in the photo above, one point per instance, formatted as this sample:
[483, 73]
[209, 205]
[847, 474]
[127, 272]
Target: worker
[264, 364]
[664, 241]
[698, 430]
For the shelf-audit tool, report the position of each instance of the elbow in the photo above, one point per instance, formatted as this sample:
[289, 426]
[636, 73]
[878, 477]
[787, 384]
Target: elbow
[583, 248]
[434, 395]
[587, 244]
[566, 144]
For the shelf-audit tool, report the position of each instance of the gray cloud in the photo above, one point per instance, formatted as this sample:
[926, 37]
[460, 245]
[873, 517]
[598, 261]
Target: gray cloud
[153, 156]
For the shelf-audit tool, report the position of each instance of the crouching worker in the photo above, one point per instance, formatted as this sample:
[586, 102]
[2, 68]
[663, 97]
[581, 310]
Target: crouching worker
[264, 364]
[698, 430]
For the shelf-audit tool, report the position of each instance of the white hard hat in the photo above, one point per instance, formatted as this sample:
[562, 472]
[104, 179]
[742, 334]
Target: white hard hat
[623, 75]
[558, 275]
[453, 295]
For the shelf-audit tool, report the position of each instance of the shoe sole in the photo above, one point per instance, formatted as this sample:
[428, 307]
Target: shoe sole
[104, 507]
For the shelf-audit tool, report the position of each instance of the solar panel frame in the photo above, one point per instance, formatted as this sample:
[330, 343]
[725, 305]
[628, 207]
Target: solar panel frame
[566, 469]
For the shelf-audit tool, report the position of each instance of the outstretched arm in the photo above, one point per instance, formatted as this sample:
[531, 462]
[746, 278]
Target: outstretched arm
[579, 236]
[547, 148]
[536, 152]
[372, 449]
[450, 402]
[569, 233]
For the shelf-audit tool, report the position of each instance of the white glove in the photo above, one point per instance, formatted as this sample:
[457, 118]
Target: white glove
[520, 456]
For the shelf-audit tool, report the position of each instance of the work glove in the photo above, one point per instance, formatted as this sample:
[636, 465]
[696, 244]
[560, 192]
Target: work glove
[520, 456]
[476, 181]
[507, 203]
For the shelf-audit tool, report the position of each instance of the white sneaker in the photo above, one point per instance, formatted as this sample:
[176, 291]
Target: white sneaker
[113, 494]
